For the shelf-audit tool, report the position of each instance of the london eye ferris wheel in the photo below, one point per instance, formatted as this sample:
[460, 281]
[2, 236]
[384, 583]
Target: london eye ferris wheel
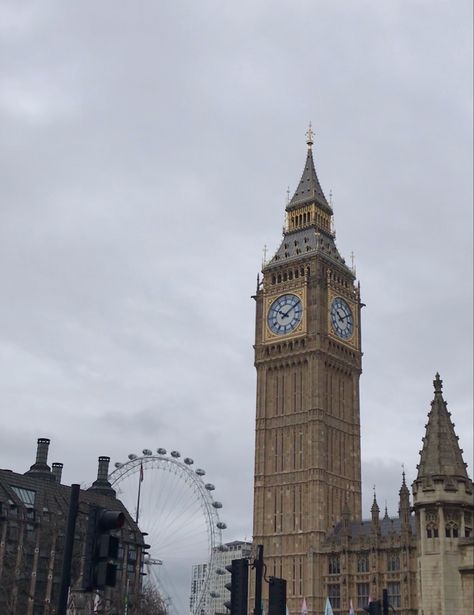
[174, 505]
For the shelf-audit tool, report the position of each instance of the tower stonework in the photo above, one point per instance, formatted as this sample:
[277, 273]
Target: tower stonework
[308, 363]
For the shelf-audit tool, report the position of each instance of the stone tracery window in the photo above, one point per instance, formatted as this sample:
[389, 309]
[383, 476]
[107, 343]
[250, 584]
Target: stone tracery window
[393, 562]
[363, 563]
[452, 530]
[394, 594]
[334, 593]
[432, 524]
[452, 524]
[334, 565]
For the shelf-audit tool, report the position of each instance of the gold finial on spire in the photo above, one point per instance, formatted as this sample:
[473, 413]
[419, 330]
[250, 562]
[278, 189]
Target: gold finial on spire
[309, 136]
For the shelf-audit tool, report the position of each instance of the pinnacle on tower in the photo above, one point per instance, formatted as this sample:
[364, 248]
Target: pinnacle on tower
[404, 503]
[441, 455]
[375, 510]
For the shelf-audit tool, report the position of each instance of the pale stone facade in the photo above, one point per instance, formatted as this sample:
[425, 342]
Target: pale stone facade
[443, 503]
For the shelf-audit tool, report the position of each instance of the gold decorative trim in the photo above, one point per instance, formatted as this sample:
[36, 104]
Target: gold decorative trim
[268, 335]
[353, 341]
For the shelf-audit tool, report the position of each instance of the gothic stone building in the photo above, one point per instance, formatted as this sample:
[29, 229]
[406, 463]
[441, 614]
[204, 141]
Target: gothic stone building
[307, 485]
[33, 515]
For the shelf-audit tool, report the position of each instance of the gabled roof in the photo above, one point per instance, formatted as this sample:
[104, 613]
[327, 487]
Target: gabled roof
[441, 454]
[388, 525]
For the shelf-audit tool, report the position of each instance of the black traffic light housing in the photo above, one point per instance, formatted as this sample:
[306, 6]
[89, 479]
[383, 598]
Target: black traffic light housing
[101, 548]
[276, 596]
[238, 587]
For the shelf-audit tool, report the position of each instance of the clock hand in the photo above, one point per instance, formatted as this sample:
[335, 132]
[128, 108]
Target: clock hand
[289, 310]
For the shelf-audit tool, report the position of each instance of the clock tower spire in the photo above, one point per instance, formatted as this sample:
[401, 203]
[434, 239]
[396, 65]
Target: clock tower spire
[308, 362]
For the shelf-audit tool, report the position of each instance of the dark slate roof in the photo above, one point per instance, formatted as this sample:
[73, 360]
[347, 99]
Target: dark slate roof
[365, 528]
[441, 454]
[52, 496]
[309, 189]
[308, 241]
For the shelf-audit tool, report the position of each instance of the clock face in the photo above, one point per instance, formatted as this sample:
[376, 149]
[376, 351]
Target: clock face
[285, 314]
[341, 318]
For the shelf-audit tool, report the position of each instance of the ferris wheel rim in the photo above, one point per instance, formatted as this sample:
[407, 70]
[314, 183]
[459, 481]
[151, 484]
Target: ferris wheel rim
[209, 506]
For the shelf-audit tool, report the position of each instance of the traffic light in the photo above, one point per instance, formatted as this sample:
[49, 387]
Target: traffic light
[276, 596]
[374, 608]
[101, 548]
[238, 587]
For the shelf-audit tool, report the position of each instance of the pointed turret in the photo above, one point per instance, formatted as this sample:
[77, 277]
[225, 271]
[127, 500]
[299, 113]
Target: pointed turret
[441, 455]
[375, 511]
[443, 505]
[404, 504]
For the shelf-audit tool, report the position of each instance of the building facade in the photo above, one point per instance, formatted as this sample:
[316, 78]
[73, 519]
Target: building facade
[217, 593]
[307, 484]
[236, 549]
[198, 578]
[33, 516]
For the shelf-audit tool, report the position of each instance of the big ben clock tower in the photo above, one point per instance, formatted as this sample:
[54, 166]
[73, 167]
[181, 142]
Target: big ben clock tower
[308, 361]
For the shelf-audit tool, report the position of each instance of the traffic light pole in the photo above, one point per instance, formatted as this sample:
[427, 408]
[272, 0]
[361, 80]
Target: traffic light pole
[68, 549]
[258, 565]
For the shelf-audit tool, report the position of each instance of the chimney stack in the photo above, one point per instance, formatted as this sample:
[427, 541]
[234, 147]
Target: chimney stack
[42, 451]
[57, 470]
[102, 484]
[40, 468]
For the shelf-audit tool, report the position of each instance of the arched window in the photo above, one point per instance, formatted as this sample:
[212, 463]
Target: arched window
[452, 529]
[363, 563]
[393, 562]
[431, 530]
[334, 565]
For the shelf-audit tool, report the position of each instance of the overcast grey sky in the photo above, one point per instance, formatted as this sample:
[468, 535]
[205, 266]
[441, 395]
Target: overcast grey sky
[146, 149]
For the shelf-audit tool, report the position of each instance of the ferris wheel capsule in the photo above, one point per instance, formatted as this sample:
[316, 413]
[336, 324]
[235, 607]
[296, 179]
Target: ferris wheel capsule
[175, 454]
[161, 451]
[117, 464]
[209, 486]
[188, 461]
[147, 452]
[221, 525]
[200, 472]
[132, 456]
[217, 504]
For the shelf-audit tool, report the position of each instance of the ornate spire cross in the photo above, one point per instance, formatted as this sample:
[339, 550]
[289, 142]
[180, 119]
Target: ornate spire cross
[309, 136]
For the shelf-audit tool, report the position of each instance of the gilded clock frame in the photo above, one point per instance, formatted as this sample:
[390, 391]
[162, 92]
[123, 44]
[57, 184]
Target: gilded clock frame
[352, 341]
[299, 330]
